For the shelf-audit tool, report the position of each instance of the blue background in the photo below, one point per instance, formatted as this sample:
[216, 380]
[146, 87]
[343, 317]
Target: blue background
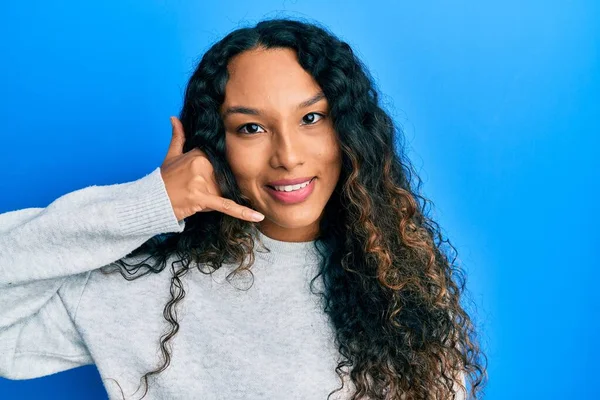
[499, 100]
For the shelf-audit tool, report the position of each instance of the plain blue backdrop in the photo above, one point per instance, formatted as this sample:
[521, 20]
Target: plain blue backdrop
[499, 101]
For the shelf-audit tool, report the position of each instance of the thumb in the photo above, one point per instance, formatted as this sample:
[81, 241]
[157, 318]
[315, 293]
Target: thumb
[177, 139]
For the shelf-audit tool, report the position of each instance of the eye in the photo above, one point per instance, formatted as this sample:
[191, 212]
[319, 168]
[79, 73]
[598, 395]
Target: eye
[252, 130]
[312, 120]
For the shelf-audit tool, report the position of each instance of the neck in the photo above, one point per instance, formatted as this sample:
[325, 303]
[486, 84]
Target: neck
[277, 232]
[276, 251]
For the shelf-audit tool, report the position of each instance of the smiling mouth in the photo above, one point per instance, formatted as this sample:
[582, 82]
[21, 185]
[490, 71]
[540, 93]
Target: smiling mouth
[295, 196]
[285, 191]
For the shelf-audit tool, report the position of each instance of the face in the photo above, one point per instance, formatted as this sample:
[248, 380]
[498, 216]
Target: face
[278, 128]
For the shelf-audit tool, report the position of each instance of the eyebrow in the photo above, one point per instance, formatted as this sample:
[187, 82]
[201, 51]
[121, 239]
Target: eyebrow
[253, 111]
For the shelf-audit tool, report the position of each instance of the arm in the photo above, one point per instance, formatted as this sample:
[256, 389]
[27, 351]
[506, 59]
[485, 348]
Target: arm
[46, 255]
[83, 230]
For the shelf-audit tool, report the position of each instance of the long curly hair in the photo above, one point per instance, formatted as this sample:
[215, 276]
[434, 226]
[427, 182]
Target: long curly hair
[392, 290]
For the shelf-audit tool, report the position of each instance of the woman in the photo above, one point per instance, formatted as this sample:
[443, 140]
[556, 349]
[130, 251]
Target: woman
[341, 283]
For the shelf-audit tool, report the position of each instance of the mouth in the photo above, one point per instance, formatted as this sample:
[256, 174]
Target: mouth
[291, 188]
[292, 194]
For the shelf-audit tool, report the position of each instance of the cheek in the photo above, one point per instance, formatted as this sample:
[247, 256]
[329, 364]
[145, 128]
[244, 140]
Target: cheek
[331, 155]
[243, 175]
[245, 167]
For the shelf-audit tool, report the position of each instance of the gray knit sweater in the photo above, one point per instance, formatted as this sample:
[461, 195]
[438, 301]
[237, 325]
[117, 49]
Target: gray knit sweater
[59, 311]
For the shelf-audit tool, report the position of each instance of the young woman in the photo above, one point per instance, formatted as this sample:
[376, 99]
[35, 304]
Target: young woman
[342, 288]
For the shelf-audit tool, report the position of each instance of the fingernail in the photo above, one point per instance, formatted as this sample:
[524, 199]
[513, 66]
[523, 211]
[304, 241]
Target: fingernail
[257, 216]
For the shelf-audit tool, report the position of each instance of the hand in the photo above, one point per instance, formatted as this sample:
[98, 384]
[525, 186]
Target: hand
[191, 184]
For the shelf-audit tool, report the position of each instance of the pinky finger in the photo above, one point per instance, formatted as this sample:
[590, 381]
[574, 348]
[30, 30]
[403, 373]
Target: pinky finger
[229, 207]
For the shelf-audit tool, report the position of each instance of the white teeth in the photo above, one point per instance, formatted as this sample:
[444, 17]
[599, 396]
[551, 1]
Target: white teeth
[290, 188]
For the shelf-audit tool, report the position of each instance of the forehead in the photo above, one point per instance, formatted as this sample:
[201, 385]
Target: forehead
[268, 78]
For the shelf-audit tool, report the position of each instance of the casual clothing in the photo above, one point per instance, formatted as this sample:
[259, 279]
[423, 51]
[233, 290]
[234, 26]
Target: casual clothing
[59, 311]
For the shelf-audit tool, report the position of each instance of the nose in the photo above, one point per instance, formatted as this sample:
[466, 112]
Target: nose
[288, 149]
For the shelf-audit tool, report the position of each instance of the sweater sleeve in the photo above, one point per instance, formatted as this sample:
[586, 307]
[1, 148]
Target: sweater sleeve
[46, 256]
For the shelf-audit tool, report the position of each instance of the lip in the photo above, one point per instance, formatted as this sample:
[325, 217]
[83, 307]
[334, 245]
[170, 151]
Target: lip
[285, 182]
[295, 196]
